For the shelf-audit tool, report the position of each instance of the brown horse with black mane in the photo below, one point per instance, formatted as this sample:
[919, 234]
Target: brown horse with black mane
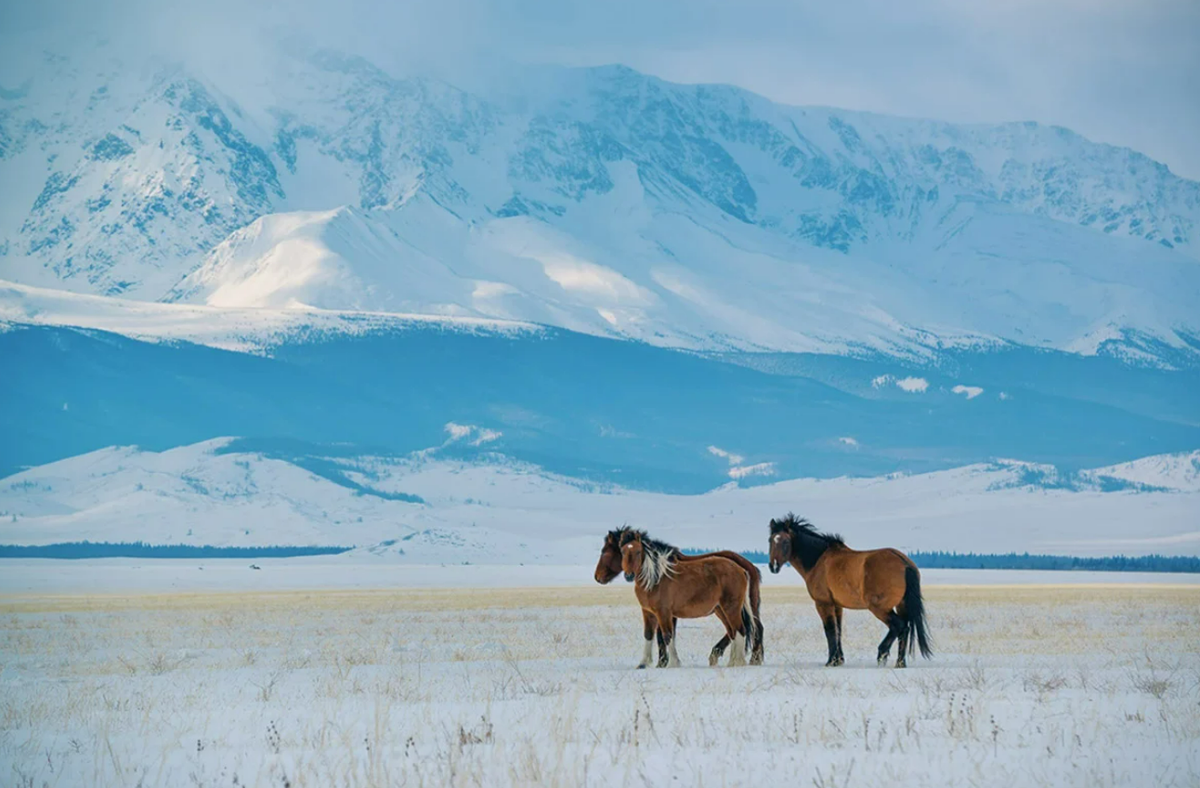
[886, 582]
[669, 589]
[609, 566]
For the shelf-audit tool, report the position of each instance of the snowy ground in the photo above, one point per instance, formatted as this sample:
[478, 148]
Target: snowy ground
[1085, 685]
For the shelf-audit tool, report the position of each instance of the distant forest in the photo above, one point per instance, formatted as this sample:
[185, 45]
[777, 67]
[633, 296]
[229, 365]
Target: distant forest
[1116, 563]
[144, 550]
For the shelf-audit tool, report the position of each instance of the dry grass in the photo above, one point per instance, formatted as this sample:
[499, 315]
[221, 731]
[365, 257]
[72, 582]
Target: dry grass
[1095, 686]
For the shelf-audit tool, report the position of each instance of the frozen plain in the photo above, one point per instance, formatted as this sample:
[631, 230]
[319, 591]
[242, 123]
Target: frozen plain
[1090, 685]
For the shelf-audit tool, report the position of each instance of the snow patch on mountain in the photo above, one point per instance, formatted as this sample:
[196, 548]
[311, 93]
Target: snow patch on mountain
[1180, 472]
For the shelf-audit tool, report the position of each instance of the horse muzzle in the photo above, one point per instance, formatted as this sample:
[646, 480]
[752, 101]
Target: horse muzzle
[774, 567]
[629, 577]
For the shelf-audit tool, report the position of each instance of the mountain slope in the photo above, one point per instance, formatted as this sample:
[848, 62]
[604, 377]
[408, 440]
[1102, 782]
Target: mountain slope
[430, 508]
[576, 404]
[600, 200]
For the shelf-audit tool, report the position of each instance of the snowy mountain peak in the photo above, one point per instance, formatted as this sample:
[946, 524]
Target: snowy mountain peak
[599, 199]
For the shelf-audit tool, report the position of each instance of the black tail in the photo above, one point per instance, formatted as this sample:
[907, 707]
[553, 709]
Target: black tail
[748, 621]
[914, 611]
[757, 651]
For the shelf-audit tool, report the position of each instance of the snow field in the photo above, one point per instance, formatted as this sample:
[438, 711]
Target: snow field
[1089, 686]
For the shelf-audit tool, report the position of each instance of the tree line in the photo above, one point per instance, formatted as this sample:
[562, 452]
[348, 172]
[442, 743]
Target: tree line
[1114, 563]
[87, 549]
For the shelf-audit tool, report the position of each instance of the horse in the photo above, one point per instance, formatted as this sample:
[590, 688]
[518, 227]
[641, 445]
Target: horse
[886, 582]
[669, 589]
[609, 566]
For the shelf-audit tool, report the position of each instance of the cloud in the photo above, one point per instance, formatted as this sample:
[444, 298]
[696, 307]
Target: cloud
[734, 459]
[910, 384]
[486, 436]
[458, 432]
[913, 385]
[761, 469]
[971, 392]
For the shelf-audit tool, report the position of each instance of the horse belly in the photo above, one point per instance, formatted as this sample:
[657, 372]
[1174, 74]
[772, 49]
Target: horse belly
[846, 580]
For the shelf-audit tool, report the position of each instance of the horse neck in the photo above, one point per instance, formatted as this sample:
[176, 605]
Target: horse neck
[808, 547]
[799, 567]
[656, 569]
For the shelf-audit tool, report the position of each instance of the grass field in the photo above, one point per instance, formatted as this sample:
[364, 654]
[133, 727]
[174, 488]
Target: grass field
[1030, 685]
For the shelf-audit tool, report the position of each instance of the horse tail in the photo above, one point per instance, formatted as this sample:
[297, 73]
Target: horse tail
[755, 577]
[748, 619]
[755, 595]
[914, 611]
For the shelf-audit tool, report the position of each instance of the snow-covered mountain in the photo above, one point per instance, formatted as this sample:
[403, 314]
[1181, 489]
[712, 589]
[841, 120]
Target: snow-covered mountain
[600, 200]
[430, 508]
[250, 330]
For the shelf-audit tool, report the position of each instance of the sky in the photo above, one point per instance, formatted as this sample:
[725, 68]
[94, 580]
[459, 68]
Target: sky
[1126, 72]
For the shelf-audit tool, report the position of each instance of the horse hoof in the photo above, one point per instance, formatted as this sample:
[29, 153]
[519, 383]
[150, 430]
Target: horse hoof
[642, 666]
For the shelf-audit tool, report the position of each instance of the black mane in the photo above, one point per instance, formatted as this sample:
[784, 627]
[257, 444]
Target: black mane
[616, 535]
[625, 534]
[808, 544]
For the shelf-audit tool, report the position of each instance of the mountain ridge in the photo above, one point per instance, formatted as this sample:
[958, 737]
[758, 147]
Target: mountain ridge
[607, 201]
[432, 507]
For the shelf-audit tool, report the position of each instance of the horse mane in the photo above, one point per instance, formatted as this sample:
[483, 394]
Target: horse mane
[617, 535]
[808, 543]
[658, 557]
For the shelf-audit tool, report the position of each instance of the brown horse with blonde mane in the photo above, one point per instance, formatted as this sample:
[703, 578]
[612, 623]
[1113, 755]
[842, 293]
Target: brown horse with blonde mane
[609, 566]
[886, 582]
[669, 589]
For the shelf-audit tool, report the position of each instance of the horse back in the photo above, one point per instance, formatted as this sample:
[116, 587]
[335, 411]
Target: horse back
[705, 580]
[742, 561]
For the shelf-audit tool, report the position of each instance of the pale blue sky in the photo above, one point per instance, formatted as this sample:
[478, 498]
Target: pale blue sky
[1120, 71]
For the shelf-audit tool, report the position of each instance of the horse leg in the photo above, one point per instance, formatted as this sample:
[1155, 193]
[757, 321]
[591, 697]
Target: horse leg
[718, 650]
[667, 624]
[829, 617]
[839, 657]
[663, 657]
[649, 628]
[737, 627]
[894, 625]
[735, 633]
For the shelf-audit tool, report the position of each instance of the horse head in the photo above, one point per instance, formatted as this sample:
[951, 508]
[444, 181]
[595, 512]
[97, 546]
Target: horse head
[780, 546]
[609, 565]
[632, 555]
